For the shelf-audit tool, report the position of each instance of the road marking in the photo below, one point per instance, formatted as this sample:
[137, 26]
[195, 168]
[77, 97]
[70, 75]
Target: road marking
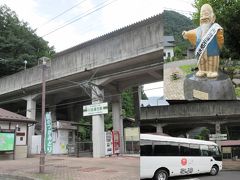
[190, 179]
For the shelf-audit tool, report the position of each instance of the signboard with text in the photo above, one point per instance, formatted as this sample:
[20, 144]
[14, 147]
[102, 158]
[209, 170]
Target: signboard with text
[217, 137]
[227, 150]
[131, 134]
[48, 134]
[95, 109]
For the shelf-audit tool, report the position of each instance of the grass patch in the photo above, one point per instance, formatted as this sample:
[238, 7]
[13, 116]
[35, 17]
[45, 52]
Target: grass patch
[237, 91]
[44, 176]
[231, 68]
[187, 69]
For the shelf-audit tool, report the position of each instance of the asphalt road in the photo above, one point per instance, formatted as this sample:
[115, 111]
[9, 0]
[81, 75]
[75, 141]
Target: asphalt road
[223, 175]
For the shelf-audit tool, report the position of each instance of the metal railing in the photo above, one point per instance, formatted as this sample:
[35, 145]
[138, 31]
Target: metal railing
[132, 147]
[80, 149]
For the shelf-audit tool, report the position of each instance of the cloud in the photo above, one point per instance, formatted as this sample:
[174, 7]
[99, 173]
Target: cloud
[112, 17]
[26, 10]
[126, 12]
[154, 89]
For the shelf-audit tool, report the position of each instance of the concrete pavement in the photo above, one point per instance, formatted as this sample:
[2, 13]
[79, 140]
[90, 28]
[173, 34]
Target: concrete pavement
[173, 89]
[230, 165]
[71, 168]
[223, 175]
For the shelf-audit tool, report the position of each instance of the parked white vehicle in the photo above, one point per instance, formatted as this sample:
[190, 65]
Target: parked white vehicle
[164, 156]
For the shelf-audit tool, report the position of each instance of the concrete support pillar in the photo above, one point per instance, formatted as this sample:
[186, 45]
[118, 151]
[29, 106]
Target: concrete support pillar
[117, 120]
[53, 113]
[218, 128]
[30, 113]
[218, 131]
[159, 128]
[98, 126]
[70, 113]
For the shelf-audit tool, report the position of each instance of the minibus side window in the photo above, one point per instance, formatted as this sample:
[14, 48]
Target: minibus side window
[204, 150]
[146, 148]
[214, 151]
[166, 149]
[184, 150]
[195, 150]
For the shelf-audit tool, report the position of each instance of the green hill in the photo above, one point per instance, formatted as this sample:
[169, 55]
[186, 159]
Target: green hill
[174, 24]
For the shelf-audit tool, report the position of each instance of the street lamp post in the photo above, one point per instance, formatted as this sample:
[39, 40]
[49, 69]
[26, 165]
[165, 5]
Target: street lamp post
[42, 153]
[25, 64]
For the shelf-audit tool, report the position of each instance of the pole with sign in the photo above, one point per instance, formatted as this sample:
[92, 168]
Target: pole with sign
[42, 153]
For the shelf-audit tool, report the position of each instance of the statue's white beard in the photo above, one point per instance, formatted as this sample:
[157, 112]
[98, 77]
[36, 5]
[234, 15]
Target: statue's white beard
[205, 27]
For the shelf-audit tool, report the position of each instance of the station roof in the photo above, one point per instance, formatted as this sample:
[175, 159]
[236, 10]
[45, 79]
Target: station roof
[13, 117]
[230, 143]
[168, 41]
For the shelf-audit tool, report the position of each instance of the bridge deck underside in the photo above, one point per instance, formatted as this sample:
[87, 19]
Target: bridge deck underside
[136, 71]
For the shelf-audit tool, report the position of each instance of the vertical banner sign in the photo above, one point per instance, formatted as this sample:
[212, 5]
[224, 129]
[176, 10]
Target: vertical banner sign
[48, 134]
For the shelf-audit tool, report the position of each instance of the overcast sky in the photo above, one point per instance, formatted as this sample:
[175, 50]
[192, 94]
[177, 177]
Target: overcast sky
[95, 17]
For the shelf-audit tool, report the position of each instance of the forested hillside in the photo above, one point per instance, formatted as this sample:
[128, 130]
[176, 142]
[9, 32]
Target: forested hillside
[174, 24]
[18, 42]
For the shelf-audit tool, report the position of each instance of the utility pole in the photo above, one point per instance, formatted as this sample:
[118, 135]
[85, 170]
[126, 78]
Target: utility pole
[42, 153]
[137, 108]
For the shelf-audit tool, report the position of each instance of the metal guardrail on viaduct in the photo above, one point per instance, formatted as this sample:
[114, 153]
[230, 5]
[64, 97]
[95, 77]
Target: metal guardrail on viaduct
[194, 112]
[139, 44]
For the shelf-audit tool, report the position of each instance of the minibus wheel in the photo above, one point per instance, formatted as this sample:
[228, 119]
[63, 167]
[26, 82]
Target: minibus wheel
[161, 175]
[214, 170]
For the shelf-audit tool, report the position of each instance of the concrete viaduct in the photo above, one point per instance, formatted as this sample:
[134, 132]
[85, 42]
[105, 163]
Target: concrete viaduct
[182, 116]
[100, 68]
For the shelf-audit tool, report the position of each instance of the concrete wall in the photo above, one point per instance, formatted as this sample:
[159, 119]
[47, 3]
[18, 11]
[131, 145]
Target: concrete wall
[192, 109]
[168, 50]
[20, 140]
[132, 41]
[21, 152]
[60, 141]
[36, 144]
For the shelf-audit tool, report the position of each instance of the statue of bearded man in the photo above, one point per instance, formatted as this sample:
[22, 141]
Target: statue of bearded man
[208, 39]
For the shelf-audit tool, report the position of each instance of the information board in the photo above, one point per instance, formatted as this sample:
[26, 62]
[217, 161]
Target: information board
[7, 141]
[95, 109]
[217, 137]
[132, 134]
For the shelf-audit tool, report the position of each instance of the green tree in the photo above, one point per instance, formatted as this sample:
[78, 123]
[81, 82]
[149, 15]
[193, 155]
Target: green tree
[84, 129]
[203, 135]
[227, 15]
[128, 103]
[18, 42]
[178, 52]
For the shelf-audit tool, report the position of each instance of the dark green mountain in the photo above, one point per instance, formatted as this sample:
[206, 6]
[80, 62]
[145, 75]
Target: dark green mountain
[174, 24]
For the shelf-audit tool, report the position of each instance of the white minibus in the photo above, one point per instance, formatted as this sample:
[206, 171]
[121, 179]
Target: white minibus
[165, 156]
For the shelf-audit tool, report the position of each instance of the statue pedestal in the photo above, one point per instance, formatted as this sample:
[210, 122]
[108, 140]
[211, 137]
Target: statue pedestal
[220, 88]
